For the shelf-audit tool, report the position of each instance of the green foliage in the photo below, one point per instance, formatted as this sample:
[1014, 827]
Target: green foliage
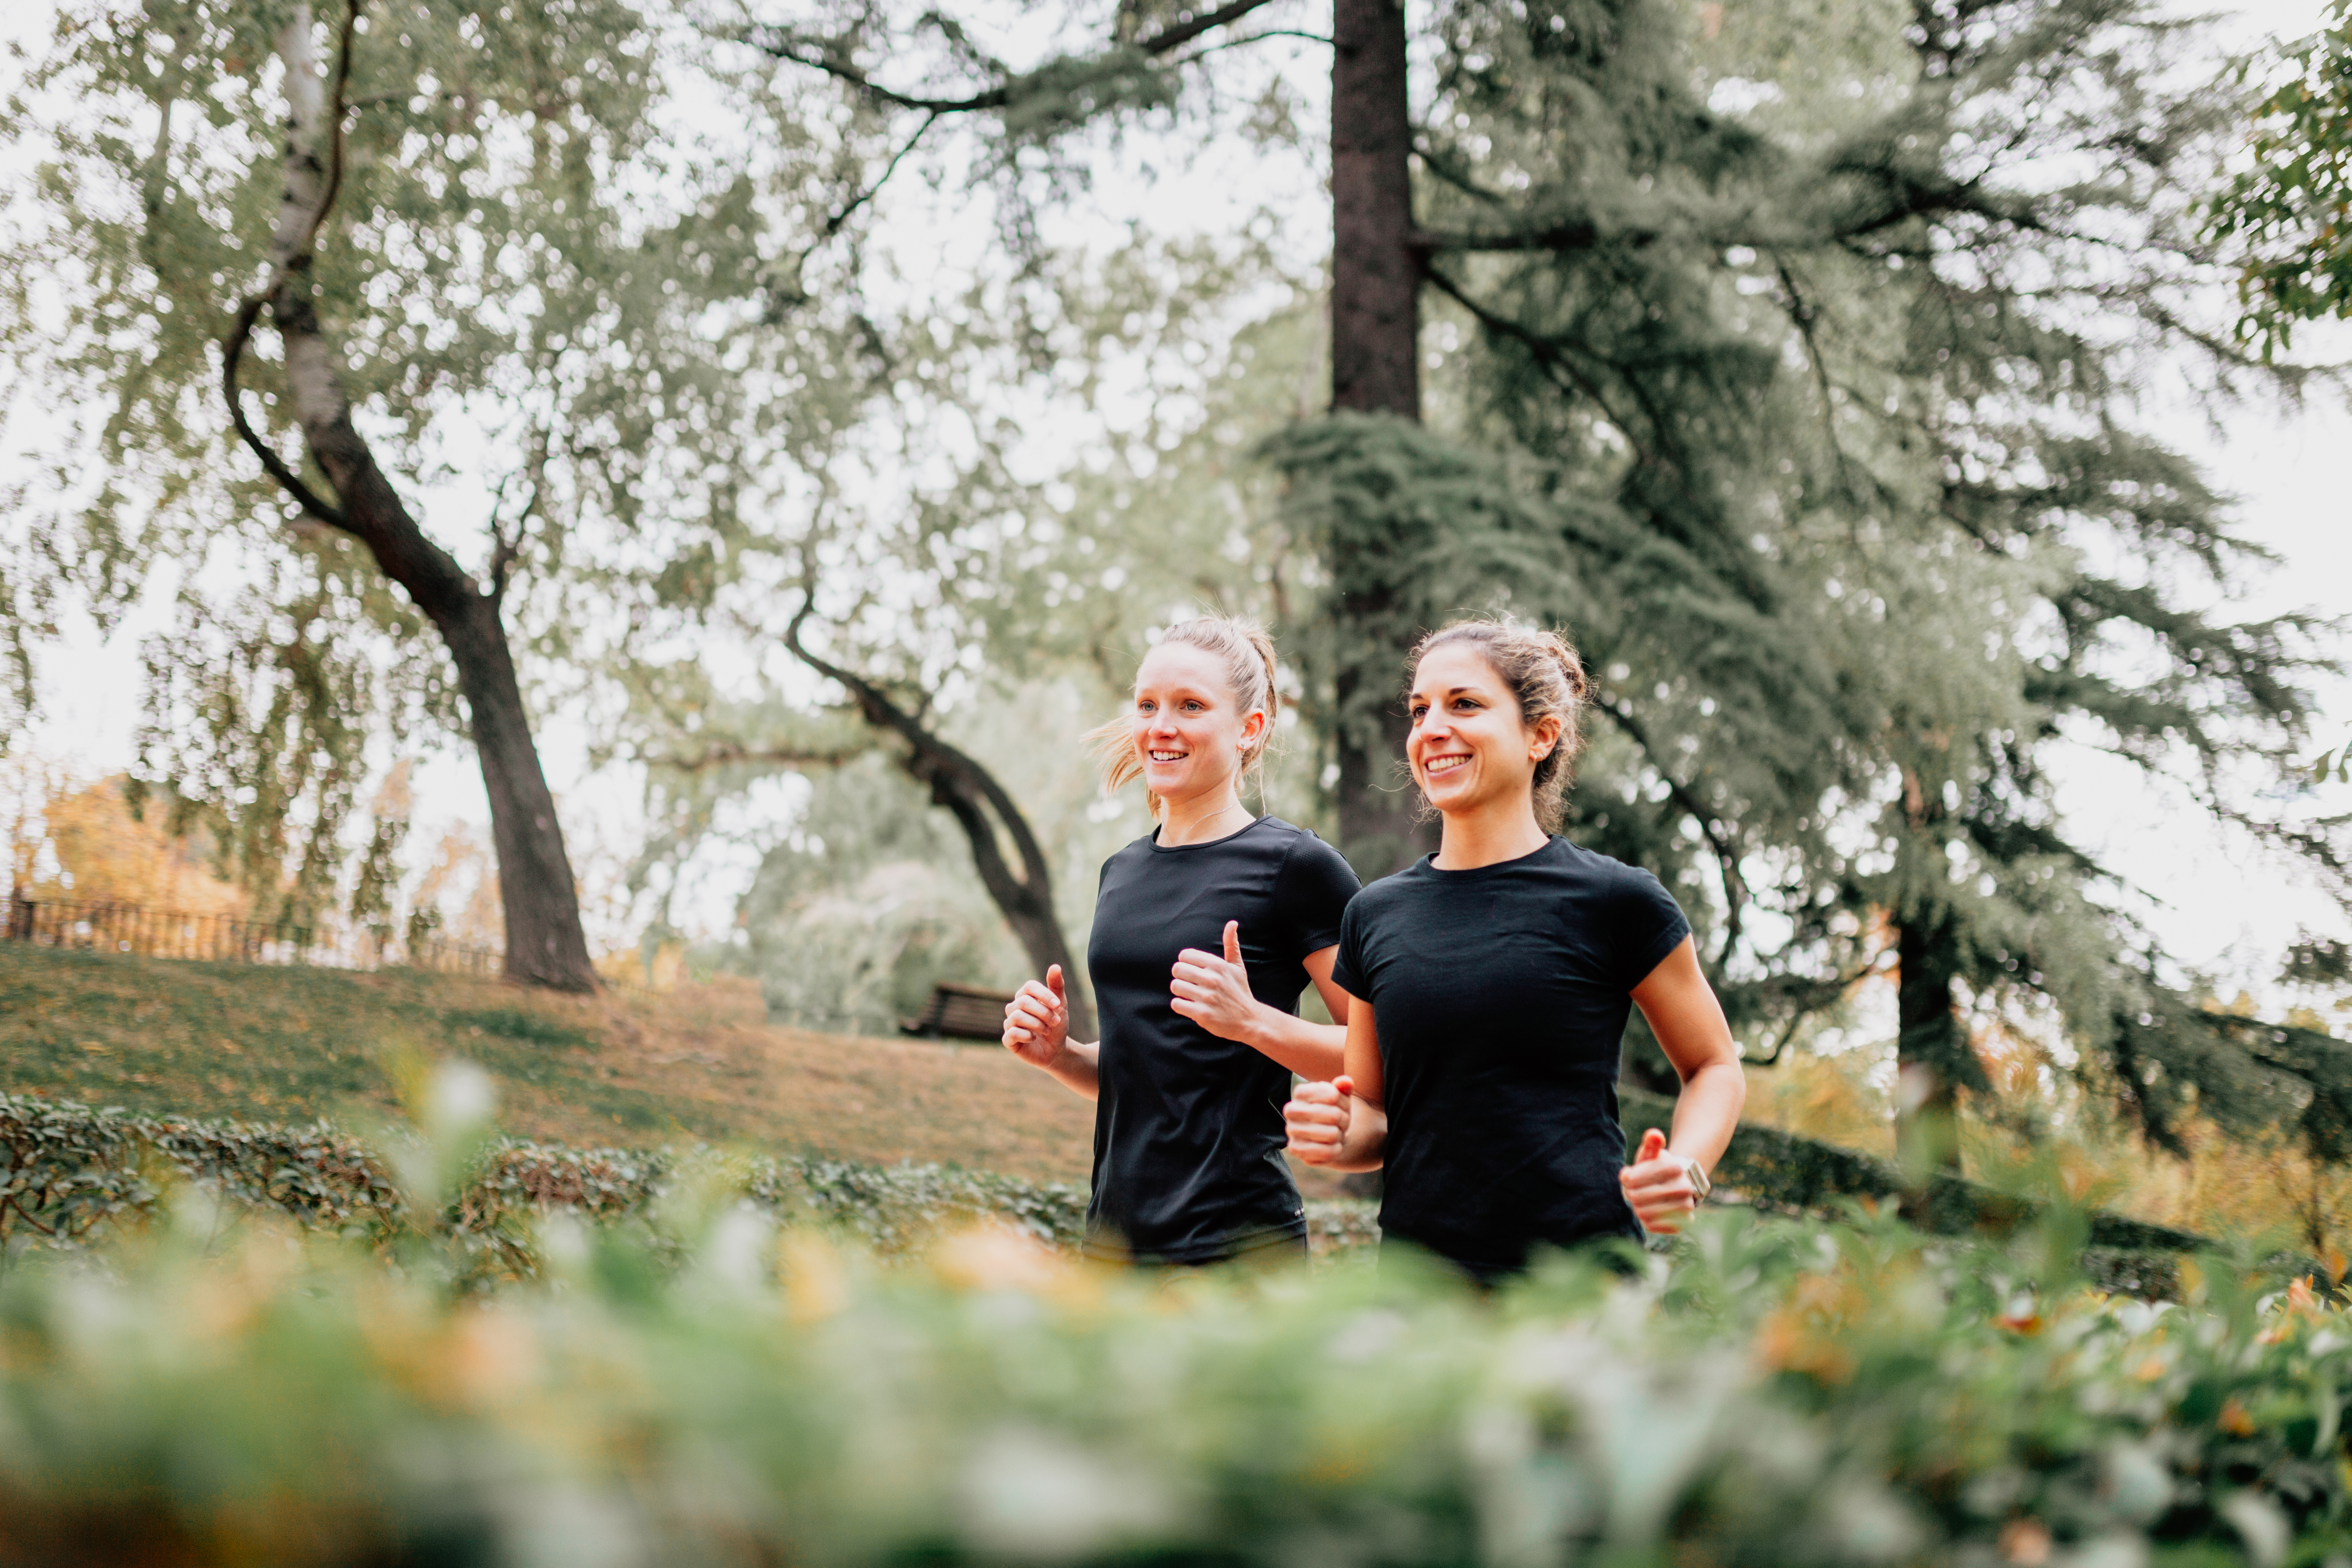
[2285, 209]
[75, 1175]
[535, 285]
[1772, 1394]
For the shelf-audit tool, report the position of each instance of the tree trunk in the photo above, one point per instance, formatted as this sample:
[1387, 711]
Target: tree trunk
[1931, 1050]
[1375, 270]
[973, 797]
[1375, 369]
[544, 943]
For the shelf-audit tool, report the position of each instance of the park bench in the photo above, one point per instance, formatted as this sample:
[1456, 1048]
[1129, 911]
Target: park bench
[960, 1013]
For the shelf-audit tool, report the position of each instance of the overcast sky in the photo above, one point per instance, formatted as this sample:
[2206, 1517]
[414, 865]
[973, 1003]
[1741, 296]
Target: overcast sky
[2215, 903]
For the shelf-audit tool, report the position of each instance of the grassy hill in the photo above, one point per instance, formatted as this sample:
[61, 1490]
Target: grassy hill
[701, 1062]
[629, 1068]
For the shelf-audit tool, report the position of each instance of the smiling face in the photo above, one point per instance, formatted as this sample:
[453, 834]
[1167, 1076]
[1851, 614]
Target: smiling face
[1470, 749]
[1191, 732]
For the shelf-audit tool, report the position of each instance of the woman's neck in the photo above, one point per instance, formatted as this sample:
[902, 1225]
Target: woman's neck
[1489, 835]
[1212, 815]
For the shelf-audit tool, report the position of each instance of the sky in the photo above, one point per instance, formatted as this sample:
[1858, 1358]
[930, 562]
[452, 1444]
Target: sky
[2214, 902]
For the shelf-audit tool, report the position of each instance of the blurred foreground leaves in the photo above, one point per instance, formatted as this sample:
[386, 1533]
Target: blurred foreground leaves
[705, 1374]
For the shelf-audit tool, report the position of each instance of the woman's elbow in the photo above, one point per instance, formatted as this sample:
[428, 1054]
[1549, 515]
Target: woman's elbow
[1734, 1079]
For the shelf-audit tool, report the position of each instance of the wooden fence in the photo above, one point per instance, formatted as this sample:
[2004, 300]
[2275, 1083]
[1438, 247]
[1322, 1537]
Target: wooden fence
[224, 939]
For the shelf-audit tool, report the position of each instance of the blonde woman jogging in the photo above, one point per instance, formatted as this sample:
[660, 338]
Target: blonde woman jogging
[1488, 987]
[1206, 932]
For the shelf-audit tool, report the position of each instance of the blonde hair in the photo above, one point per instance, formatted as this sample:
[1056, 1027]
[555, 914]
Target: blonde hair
[1247, 653]
[1547, 677]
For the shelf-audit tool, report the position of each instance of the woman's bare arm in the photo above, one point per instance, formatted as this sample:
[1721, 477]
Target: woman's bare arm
[1689, 1024]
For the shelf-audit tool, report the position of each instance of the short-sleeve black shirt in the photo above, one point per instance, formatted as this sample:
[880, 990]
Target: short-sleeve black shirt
[1188, 1126]
[1501, 993]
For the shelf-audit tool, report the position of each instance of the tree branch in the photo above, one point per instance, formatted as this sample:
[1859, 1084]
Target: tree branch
[507, 546]
[971, 794]
[299, 256]
[1803, 314]
[1446, 168]
[1246, 39]
[1182, 32]
[1580, 233]
[822, 55]
[1547, 354]
[1904, 199]
[1735, 894]
[832, 225]
[954, 777]
[1822, 992]
[233, 354]
[734, 753]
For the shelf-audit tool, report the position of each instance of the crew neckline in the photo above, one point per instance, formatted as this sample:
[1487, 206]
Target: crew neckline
[1429, 861]
[1160, 849]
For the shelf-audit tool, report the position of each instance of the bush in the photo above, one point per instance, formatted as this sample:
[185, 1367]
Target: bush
[68, 1169]
[1774, 1393]
[68, 1172]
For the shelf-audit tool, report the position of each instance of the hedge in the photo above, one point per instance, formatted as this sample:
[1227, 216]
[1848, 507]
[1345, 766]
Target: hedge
[71, 1170]
[68, 1174]
[1790, 1173]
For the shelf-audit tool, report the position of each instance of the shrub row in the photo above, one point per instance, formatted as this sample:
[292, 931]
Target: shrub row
[1790, 1173]
[68, 1172]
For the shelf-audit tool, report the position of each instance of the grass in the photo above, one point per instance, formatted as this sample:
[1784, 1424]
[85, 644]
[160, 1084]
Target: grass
[627, 1068]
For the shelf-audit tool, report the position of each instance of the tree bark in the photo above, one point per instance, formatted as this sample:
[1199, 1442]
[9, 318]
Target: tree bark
[1376, 274]
[973, 796]
[1375, 269]
[545, 944]
[1931, 1050]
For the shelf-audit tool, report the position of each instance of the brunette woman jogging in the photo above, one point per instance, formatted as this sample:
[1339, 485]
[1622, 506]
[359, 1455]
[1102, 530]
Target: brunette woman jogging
[1206, 931]
[1488, 987]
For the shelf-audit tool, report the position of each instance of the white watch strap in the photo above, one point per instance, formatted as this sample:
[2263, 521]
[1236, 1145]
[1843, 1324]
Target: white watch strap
[1700, 1184]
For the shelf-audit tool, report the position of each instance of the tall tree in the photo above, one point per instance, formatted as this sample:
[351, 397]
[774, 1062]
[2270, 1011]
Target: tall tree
[1376, 283]
[545, 944]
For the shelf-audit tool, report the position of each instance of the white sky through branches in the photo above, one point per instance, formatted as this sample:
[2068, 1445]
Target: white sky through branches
[2213, 903]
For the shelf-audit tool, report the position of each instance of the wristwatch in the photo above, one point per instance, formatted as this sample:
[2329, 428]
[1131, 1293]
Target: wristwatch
[1700, 1186]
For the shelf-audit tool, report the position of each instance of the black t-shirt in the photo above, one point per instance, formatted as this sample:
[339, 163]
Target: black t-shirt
[1188, 1127]
[1500, 995]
